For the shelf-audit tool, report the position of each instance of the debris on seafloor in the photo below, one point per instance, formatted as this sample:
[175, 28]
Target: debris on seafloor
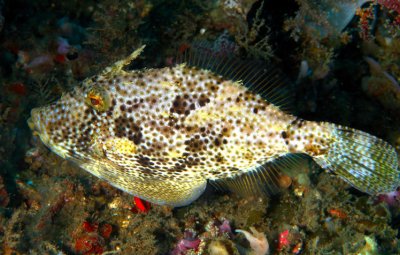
[382, 86]
[338, 213]
[4, 197]
[90, 237]
[258, 241]
[319, 25]
[222, 247]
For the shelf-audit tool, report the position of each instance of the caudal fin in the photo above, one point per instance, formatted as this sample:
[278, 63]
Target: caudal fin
[365, 161]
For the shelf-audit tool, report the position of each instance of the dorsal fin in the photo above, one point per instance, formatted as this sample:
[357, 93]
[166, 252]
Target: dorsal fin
[266, 179]
[117, 67]
[256, 75]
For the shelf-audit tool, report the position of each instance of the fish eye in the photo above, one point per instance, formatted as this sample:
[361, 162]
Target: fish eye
[94, 101]
[98, 100]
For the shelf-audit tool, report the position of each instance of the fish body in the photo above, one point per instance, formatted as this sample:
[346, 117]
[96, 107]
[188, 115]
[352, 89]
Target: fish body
[161, 134]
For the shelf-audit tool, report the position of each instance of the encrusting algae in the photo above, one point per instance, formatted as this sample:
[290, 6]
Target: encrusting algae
[161, 134]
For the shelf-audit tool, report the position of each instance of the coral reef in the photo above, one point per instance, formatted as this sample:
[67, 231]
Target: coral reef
[349, 53]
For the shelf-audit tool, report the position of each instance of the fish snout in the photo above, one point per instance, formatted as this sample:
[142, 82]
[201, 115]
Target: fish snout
[34, 121]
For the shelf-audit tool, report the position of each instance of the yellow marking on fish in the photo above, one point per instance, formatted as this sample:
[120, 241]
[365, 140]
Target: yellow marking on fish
[168, 84]
[234, 108]
[174, 154]
[120, 145]
[165, 114]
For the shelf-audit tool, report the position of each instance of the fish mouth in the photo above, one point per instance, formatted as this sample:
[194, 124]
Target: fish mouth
[34, 120]
[37, 124]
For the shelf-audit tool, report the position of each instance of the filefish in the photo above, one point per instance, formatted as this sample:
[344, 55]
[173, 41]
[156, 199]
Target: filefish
[163, 134]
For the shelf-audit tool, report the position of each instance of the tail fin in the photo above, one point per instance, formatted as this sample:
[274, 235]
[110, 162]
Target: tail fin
[365, 161]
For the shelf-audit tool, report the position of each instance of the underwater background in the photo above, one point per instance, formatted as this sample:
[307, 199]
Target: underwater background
[341, 58]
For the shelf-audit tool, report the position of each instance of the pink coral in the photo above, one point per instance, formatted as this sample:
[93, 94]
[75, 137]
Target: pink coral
[225, 227]
[63, 46]
[393, 5]
[184, 245]
[391, 198]
[188, 242]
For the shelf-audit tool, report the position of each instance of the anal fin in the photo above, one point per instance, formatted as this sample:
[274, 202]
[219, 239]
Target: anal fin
[266, 179]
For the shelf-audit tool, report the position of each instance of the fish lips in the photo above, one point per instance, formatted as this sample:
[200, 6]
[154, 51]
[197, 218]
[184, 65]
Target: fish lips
[34, 121]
